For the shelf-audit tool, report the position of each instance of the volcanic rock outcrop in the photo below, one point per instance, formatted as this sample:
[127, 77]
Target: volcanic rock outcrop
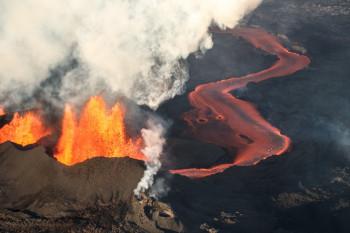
[39, 194]
[33, 181]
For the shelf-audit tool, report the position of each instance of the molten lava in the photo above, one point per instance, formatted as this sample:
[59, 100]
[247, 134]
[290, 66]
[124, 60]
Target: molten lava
[224, 120]
[99, 131]
[24, 129]
[2, 111]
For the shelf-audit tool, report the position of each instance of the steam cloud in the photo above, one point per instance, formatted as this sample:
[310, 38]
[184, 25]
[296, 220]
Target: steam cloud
[134, 47]
[153, 137]
[159, 189]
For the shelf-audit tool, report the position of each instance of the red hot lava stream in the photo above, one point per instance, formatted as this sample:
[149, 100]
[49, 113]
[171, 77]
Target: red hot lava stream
[222, 119]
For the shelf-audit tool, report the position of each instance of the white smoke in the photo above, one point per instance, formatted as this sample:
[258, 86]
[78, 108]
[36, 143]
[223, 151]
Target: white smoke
[135, 47]
[154, 140]
[159, 189]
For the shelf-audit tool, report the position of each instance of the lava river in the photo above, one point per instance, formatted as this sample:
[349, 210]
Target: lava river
[220, 118]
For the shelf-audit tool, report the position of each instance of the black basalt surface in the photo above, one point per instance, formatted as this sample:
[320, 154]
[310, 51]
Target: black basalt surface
[308, 189]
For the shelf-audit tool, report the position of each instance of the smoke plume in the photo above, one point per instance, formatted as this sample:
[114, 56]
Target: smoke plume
[153, 137]
[134, 47]
[160, 188]
[67, 50]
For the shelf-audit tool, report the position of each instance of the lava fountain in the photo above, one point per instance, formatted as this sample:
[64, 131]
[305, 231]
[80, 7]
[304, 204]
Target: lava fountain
[24, 130]
[98, 132]
[2, 111]
[222, 119]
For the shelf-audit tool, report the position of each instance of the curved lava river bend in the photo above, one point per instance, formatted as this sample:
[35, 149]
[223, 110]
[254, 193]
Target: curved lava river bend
[220, 118]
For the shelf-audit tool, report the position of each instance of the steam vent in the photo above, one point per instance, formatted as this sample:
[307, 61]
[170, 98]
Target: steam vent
[175, 116]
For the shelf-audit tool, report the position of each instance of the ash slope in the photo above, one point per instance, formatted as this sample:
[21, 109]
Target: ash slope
[308, 189]
[38, 194]
[30, 180]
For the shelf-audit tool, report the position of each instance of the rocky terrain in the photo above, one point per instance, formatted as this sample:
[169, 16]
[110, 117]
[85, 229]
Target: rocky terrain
[38, 194]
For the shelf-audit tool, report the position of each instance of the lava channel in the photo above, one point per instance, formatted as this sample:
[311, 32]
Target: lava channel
[222, 119]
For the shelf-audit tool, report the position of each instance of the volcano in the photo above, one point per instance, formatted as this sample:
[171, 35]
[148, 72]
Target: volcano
[258, 141]
[75, 181]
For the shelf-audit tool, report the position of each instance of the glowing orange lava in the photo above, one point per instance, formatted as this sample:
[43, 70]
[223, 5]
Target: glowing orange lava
[24, 129]
[99, 131]
[2, 111]
[222, 119]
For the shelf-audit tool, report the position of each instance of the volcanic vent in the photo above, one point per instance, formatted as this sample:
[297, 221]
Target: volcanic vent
[96, 131]
[95, 164]
[24, 129]
[32, 180]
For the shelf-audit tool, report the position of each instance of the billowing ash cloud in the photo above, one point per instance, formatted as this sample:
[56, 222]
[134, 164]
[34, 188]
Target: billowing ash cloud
[135, 47]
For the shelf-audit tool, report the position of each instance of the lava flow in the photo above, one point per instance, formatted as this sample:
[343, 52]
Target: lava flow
[224, 120]
[98, 132]
[24, 129]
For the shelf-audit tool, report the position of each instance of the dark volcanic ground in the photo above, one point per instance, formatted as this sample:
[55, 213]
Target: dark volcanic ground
[306, 190]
